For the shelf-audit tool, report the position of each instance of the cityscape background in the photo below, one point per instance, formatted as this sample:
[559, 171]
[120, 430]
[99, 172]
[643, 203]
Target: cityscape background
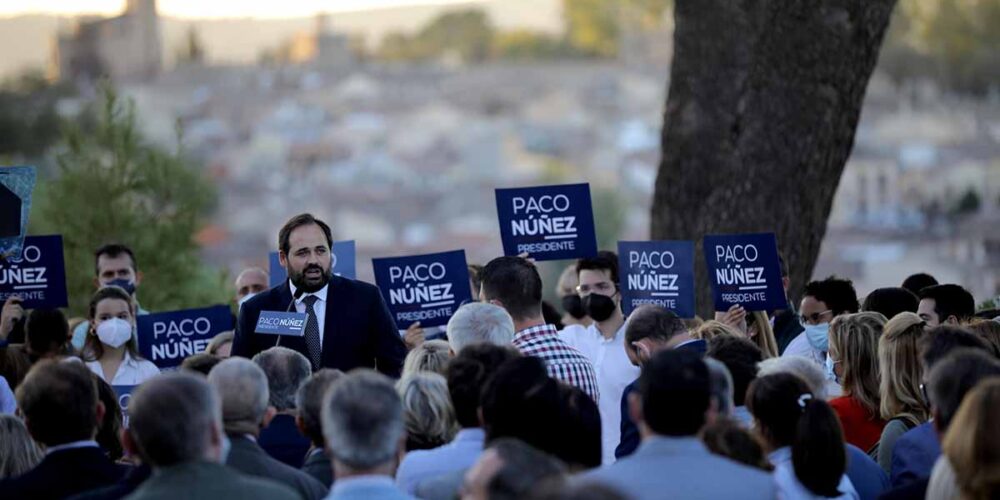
[396, 124]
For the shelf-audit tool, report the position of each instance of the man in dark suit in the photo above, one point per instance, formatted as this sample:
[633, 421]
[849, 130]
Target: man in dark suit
[243, 388]
[650, 330]
[309, 400]
[348, 326]
[286, 370]
[61, 411]
[176, 421]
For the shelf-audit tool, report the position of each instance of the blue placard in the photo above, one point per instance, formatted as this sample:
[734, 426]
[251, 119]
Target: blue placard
[281, 323]
[124, 393]
[547, 222]
[344, 263]
[167, 338]
[659, 273]
[425, 288]
[16, 184]
[37, 275]
[744, 269]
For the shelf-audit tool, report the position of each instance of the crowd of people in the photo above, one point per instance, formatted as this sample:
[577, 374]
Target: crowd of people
[893, 396]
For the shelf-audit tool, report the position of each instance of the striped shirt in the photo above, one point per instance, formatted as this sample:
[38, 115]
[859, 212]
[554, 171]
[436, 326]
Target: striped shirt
[563, 362]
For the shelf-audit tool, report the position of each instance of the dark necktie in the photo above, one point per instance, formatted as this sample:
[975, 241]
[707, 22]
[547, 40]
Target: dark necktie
[312, 332]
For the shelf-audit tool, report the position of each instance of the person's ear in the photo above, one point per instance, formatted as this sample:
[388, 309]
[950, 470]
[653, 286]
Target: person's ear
[283, 259]
[97, 283]
[101, 410]
[635, 407]
[269, 415]
[300, 424]
[479, 415]
[138, 278]
[712, 412]
[129, 443]
[951, 320]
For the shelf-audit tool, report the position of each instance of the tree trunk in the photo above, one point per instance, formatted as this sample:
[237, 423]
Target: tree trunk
[763, 103]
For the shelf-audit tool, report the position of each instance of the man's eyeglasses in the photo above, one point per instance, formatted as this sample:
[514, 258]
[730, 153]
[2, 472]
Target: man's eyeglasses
[602, 287]
[813, 319]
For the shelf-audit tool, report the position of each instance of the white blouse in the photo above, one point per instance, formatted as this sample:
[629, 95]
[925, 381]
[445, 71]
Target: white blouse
[131, 372]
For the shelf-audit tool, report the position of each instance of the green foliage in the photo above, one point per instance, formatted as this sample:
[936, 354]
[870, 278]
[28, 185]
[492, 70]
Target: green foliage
[529, 45]
[29, 123]
[466, 34]
[593, 26]
[113, 186]
[954, 42]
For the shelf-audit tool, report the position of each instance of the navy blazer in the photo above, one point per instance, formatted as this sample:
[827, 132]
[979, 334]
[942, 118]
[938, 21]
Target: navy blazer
[64, 473]
[282, 440]
[359, 331]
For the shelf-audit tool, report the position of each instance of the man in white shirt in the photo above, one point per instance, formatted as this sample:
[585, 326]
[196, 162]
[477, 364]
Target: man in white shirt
[603, 342]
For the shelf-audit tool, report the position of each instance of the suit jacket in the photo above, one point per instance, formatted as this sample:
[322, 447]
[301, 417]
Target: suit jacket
[318, 465]
[443, 487]
[121, 489]
[208, 481]
[64, 473]
[249, 458]
[282, 440]
[686, 470]
[359, 330]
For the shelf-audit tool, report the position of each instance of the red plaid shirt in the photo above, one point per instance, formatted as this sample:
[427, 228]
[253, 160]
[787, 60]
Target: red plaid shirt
[563, 362]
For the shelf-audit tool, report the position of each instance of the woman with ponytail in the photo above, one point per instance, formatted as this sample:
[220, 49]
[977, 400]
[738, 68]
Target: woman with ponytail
[803, 439]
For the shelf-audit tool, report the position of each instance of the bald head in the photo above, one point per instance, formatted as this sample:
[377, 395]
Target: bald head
[242, 386]
[250, 281]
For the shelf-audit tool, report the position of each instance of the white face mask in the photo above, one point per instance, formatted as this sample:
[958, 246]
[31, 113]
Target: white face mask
[114, 332]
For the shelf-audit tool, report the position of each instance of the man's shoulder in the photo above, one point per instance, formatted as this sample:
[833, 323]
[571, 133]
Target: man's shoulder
[267, 298]
[256, 487]
[340, 284]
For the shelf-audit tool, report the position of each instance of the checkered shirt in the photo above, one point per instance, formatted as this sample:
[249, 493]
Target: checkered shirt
[563, 362]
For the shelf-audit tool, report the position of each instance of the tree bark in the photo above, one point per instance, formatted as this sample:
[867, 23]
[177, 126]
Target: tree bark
[762, 108]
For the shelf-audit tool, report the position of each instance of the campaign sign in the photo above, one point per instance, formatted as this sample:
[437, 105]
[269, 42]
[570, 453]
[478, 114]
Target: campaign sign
[282, 323]
[124, 393]
[343, 263]
[425, 288]
[547, 222]
[16, 184]
[744, 269]
[167, 338]
[659, 273]
[37, 274]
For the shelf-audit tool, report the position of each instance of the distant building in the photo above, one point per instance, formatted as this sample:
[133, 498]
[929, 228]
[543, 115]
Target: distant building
[127, 47]
[321, 47]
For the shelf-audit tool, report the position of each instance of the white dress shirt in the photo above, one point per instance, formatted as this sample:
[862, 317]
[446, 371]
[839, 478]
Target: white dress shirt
[319, 308]
[131, 372]
[614, 372]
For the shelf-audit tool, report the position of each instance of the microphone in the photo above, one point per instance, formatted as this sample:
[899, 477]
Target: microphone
[298, 294]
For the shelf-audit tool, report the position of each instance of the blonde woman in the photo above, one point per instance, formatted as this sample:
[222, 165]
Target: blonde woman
[902, 405]
[427, 410]
[853, 359]
[431, 356]
[971, 448]
[712, 328]
[18, 452]
[754, 325]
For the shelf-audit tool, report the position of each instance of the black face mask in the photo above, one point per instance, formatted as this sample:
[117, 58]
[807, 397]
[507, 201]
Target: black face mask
[573, 306]
[599, 307]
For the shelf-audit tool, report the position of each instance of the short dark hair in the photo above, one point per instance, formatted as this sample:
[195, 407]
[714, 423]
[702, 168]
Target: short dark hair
[890, 301]
[942, 340]
[202, 363]
[309, 402]
[950, 300]
[604, 261]
[46, 331]
[524, 470]
[110, 428]
[655, 322]
[515, 282]
[171, 418]
[468, 371]
[918, 281]
[580, 429]
[838, 294]
[675, 390]
[789, 414]
[725, 437]
[113, 250]
[741, 357]
[59, 402]
[521, 401]
[297, 222]
[953, 377]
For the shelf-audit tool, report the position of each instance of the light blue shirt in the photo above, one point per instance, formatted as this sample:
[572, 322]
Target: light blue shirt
[742, 415]
[789, 487]
[366, 488]
[7, 402]
[420, 465]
